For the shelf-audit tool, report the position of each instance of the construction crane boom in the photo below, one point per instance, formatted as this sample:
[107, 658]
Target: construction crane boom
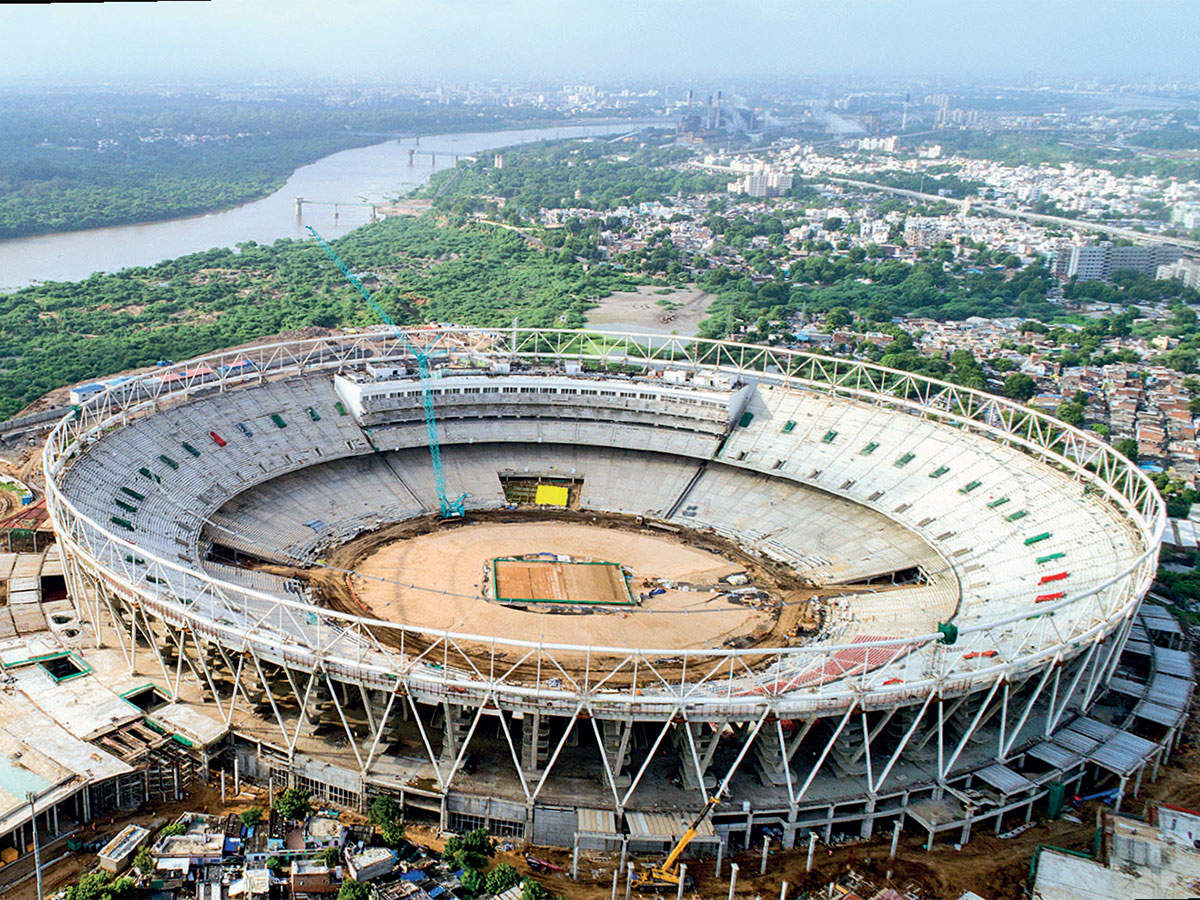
[667, 875]
[450, 508]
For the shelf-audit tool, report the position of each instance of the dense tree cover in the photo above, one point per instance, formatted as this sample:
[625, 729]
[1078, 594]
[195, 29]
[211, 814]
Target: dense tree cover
[1129, 288]
[386, 814]
[354, 890]
[65, 332]
[876, 290]
[501, 878]
[1012, 149]
[101, 886]
[472, 883]
[1051, 148]
[591, 174]
[82, 161]
[531, 889]
[144, 861]
[1181, 133]
[293, 803]
[929, 182]
[469, 851]
[1020, 387]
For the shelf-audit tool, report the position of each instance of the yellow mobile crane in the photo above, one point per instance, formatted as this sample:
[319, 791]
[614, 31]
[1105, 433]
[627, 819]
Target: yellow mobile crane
[666, 875]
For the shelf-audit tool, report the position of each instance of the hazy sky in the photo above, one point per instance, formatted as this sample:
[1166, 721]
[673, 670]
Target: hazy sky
[597, 39]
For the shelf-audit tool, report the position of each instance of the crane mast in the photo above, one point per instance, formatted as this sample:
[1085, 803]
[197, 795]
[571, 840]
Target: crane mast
[450, 508]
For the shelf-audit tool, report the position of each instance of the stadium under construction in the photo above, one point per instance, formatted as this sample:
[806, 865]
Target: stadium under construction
[835, 596]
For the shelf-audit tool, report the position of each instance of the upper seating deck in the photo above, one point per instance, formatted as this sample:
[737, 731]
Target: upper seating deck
[843, 490]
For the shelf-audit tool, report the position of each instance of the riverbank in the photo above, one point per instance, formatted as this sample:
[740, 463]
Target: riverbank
[194, 194]
[366, 174]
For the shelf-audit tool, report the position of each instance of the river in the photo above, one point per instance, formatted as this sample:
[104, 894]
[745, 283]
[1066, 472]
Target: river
[365, 174]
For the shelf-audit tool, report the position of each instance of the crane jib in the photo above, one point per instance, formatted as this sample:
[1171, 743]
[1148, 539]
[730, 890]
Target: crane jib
[450, 508]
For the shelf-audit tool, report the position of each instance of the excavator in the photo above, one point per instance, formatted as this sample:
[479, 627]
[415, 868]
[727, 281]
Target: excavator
[666, 876]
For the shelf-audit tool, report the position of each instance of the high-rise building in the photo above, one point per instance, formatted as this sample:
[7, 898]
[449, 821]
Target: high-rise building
[1098, 262]
[762, 182]
[1185, 270]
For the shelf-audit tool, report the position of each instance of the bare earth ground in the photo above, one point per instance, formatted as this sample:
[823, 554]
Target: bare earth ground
[788, 615]
[640, 311]
[457, 561]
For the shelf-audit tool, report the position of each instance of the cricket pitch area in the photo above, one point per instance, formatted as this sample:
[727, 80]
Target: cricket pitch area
[571, 582]
[442, 576]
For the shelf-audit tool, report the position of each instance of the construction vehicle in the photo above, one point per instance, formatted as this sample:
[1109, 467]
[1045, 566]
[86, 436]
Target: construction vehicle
[666, 876]
[450, 508]
[542, 866]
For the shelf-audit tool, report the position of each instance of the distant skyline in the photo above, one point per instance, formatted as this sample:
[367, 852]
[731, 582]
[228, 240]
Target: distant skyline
[541, 40]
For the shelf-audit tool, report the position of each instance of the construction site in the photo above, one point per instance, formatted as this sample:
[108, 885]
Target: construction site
[613, 589]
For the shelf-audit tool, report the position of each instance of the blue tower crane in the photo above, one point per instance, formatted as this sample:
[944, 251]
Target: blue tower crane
[450, 508]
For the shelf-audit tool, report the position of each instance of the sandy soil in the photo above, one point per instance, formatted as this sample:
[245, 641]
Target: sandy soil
[455, 557]
[457, 560]
[640, 310]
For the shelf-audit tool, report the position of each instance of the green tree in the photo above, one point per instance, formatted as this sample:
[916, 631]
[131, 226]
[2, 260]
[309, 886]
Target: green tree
[354, 890]
[533, 890]
[251, 817]
[173, 830]
[473, 883]
[293, 803]
[1071, 413]
[1127, 447]
[1183, 317]
[469, 851]
[100, 886]
[143, 861]
[1020, 387]
[330, 856]
[501, 878]
[838, 317]
[274, 864]
[386, 813]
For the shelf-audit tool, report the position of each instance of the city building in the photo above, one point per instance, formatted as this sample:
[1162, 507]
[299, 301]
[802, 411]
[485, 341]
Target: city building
[1136, 858]
[1186, 270]
[1098, 262]
[765, 183]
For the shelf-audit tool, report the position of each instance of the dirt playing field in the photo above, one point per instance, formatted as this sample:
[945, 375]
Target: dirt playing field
[452, 567]
[551, 581]
[431, 574]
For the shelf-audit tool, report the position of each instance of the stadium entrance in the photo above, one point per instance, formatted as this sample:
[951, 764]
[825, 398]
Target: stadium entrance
[541, 490]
